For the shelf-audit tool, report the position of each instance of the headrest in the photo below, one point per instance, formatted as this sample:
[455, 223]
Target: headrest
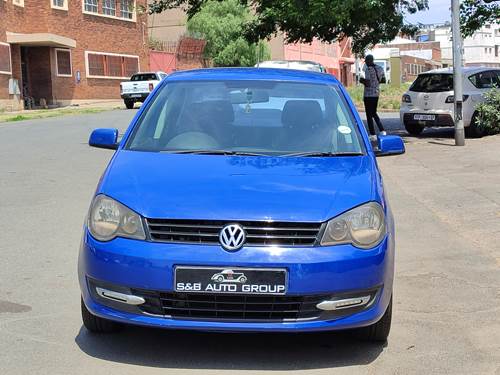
[301, 113]
[217, 111]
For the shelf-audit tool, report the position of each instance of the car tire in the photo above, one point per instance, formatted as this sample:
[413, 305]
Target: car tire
[474, 130]
[129, 104]
[96, 324]
[378, 331]
[414, 129]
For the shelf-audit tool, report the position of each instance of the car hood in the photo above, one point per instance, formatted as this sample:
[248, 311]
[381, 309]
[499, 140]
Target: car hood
[177, 186]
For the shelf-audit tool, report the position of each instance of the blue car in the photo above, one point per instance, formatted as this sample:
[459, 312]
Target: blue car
[245, 199]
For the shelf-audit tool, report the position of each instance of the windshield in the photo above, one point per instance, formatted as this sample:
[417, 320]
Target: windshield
[258, 117]
[433, 83]
[144, 77]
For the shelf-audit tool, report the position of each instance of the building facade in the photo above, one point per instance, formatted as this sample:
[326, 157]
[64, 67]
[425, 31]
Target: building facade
[481, 49]
[62, 52]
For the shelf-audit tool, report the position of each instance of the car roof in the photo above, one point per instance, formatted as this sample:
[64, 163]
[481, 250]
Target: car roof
[241, 74]
[465, 70]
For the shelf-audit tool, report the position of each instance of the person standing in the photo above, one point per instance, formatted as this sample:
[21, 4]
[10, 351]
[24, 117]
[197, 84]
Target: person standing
[374, 76]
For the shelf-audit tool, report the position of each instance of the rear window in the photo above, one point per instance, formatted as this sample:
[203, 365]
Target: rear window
[433, 83]
[144, 77]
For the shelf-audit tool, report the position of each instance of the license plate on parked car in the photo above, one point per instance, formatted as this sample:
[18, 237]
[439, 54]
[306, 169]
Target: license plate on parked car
[424, 117]
[135, 95]
[230, 280]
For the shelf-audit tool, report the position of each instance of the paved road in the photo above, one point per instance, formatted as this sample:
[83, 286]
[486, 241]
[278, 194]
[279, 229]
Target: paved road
[447, 290]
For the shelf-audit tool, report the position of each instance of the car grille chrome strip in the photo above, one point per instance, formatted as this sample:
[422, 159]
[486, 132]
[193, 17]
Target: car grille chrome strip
[257, 233]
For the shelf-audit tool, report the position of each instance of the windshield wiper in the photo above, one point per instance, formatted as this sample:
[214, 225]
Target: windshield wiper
[323, 154]
[213, 152]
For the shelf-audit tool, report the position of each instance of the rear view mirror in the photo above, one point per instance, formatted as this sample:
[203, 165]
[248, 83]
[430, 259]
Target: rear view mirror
[104, 138]
[249, 96]
[390, 145]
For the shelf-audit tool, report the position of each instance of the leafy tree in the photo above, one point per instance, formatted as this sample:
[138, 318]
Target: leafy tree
[221, 24]
[476, 13]
[367, 22]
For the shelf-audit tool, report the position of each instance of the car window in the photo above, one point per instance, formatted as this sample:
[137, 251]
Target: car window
[144, 77]
[434, 82]
[271, 118]
[485, 80]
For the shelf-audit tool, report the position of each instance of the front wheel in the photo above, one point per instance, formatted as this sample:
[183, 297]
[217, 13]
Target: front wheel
[414, 129]
[95, 324]
[129, 103]
[474, 130]
[380, 330]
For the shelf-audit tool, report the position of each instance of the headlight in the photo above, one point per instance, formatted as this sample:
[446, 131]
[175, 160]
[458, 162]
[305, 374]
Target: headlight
[109, 219]
[363, 226]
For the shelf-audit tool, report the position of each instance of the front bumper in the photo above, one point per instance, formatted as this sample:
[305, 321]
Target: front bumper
[311, 271]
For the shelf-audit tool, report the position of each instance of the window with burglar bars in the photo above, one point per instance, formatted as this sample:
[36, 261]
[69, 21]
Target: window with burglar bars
[63, 62]
[5, 65]
[109, 7]
[91, 6]
[102, 65]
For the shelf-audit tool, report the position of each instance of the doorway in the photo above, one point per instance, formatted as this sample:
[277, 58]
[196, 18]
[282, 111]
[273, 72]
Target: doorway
[36, 76]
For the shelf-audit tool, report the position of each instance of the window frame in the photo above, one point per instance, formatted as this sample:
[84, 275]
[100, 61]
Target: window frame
[84, 3]
[105, 8]
[63, 7]
[87, 65]
[70, 62]
[117, 15]
[10, 59]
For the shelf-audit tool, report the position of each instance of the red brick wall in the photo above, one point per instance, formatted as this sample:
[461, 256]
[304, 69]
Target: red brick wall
[93, 33]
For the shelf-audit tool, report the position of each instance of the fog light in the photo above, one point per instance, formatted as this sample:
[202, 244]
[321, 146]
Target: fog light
[120, 297]
[343, 303]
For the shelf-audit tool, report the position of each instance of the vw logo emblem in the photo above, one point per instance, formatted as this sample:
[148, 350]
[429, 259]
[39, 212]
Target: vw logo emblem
[232, 237]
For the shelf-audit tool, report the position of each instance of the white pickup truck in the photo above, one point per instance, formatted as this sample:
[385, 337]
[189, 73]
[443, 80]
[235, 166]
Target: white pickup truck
[139, 87]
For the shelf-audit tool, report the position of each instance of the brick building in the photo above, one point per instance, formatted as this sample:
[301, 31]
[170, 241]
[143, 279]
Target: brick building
[69, 51]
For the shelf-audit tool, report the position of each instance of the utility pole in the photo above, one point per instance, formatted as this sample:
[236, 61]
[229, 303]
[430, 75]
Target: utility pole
[457, 72]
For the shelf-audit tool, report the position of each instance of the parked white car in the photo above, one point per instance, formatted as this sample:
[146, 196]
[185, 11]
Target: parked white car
[429, 100]
[139, 87]
[292, 64]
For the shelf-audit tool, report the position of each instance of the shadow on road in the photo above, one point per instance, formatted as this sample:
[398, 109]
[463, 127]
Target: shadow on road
[241, 351]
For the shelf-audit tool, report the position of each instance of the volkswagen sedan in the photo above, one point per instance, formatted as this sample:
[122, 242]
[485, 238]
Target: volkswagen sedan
[266, 174]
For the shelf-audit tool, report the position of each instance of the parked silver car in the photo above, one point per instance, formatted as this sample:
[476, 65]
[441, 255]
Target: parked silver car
[429, 101]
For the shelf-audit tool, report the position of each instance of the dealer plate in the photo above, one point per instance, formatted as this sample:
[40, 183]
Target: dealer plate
[424, 117]
[268, 281]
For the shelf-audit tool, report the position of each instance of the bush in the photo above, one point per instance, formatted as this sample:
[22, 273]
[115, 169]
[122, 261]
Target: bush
[488, 112]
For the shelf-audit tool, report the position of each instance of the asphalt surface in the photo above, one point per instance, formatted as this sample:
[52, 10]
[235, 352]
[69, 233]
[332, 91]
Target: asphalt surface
[446, 319]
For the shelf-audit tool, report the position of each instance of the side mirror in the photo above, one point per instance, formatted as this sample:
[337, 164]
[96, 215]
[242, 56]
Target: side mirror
[390, 145]
[104, 138]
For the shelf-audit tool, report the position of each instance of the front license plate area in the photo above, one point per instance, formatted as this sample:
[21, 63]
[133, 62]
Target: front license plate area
[424, 117]
[259, 281]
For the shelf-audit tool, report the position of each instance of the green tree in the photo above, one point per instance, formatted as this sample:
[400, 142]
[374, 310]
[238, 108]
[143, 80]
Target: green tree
[221, 24]
[367, 22]
[476, 13]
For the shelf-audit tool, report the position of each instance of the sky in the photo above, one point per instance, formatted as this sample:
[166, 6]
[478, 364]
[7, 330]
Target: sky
[438, 12]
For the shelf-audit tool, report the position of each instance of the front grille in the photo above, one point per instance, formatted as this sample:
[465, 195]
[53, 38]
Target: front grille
[258, 233]
[231, 307]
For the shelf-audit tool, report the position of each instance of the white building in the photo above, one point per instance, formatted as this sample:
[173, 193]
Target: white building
[483, 48]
